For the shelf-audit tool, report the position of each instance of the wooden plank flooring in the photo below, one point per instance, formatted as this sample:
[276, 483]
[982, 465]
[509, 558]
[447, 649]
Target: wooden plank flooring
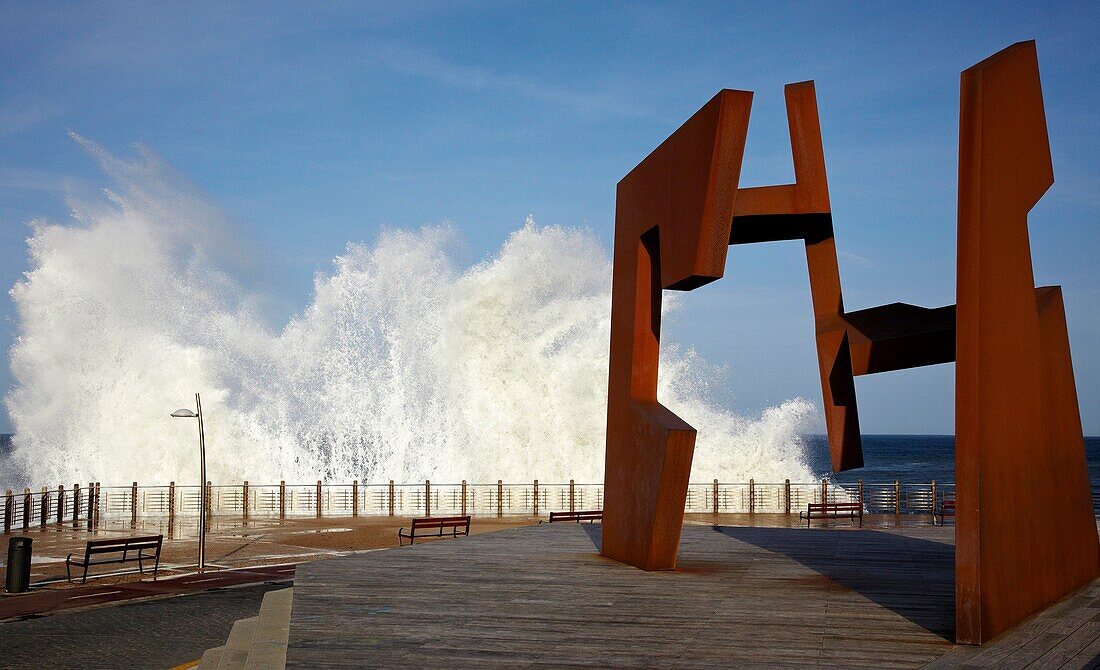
[542, 597]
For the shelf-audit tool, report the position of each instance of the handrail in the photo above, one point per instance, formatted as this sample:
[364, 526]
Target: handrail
[88, 504]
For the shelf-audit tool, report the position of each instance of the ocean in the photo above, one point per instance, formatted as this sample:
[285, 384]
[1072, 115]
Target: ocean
[914, 459]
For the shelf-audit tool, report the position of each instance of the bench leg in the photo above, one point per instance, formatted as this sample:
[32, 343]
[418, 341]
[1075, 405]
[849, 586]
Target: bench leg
[68, 574]
[85, 580]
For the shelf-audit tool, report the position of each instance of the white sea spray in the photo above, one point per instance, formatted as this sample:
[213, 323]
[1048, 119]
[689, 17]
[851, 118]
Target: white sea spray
[405, 366]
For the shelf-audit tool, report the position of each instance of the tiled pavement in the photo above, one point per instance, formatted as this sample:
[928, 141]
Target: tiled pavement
[160, 633]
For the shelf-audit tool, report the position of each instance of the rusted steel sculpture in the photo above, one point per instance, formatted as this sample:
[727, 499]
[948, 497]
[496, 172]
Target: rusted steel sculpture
[672, 226]
[1026, 535]
[1025, 531]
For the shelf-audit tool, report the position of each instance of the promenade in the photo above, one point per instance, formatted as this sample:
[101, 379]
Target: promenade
[741, 597]
[162, 633]
[231, 542]
[750, 591]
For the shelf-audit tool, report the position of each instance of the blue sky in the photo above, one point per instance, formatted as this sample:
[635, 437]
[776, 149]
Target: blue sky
[314, 127]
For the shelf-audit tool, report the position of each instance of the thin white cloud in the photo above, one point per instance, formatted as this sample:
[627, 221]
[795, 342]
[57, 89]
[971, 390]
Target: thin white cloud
[15, 119]
[414, 62]
[857, 260]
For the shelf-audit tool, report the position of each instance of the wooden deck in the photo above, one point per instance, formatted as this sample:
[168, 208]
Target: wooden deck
[742, 597]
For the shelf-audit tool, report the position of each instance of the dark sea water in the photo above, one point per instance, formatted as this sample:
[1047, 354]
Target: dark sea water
[906, 458]
[914, 458]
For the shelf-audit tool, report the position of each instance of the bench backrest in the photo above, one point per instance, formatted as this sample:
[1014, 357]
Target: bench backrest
[587, 515]
[441, 522]
[836, 507]
[123, 544]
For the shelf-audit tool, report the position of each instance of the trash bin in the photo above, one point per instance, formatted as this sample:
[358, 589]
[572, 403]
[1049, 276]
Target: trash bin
[19, 565]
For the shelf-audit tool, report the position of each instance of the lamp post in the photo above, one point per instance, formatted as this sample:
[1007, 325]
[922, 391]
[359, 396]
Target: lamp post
[188, 414]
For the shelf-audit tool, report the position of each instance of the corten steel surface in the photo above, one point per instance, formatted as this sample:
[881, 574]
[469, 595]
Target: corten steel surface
[672, 227]
[1026, 534]
[1025, 524]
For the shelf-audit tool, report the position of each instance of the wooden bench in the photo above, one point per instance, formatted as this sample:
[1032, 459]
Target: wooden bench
[433, 526]
[131, 548]
[947, 508]
[591, 516]
[852, 510]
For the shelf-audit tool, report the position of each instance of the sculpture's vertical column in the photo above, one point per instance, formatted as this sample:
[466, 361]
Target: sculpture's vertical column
[672, 220]
[1026, 534]
[811, 196]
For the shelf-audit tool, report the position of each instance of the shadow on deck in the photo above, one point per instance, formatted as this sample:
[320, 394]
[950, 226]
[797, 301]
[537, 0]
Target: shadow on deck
[910, 576]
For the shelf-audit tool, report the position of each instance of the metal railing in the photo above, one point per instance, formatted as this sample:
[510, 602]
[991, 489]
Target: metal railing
[85, 505]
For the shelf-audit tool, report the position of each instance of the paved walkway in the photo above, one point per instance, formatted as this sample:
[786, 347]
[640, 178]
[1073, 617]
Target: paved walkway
[151, 634]
[742, 597]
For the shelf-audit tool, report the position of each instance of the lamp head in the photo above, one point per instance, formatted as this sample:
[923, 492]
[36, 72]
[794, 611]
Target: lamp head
[184, 414]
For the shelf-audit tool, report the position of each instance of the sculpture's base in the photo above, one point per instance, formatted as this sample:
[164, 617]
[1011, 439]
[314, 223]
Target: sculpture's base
[543, 597]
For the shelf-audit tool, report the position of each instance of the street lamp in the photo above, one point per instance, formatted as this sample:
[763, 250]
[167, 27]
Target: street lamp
[188, 414]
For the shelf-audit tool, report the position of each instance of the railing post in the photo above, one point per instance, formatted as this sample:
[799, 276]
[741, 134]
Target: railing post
[9, 510]
[60, 503]
[536, 497]
[897, 497]
[98, 503]
[133, 505]
[171, 508]
[44, 507]
[91, 504]
[76, 503]
[714, 496]
[244, 500]
[933, 499]
[463, 497]
[824, 490]
[427, 497]
[571, 495]
[860, 493]
[355, 497]
[752, 496]
[26, 507]
[209, 501]
[391, 497]
[282, 499]
[500, 498]
[787, 496]
[318, 499]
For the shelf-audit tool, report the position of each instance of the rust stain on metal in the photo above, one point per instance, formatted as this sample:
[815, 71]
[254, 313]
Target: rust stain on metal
[1025, 529]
